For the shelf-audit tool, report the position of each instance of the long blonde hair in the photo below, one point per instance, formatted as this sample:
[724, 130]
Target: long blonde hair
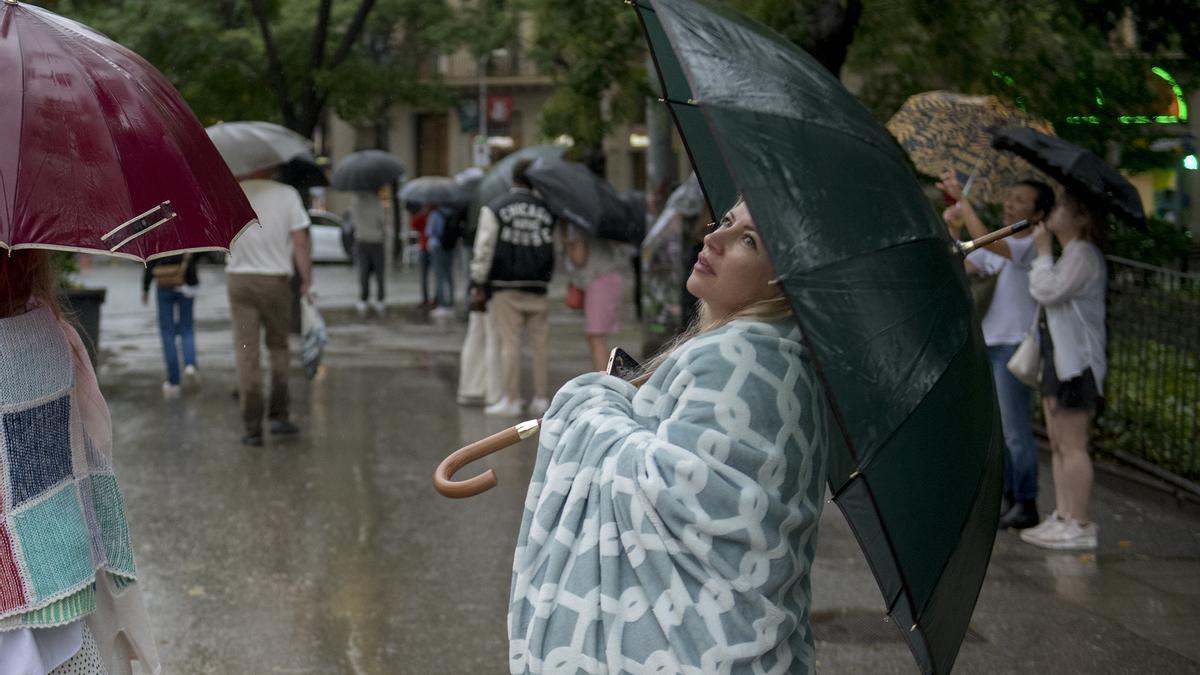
[771, 309]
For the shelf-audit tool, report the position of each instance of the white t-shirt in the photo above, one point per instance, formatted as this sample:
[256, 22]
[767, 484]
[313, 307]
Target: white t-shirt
[266, 248]
[1010, 316]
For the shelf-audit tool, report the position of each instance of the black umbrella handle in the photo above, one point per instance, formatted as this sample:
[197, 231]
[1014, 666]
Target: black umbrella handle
[966, 247]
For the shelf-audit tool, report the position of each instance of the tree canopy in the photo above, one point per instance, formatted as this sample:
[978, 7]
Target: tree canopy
[282, 60]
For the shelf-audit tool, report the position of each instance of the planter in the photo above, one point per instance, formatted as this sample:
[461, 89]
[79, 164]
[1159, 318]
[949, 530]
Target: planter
[82, 307]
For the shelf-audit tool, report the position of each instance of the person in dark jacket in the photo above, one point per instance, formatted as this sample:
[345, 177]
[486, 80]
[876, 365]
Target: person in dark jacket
[176, 281]
[513, 261]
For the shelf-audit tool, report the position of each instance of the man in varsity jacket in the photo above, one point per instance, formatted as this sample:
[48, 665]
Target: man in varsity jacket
[513, 261]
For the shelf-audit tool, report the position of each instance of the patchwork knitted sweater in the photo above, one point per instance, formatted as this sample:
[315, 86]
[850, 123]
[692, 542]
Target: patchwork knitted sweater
[672, 528]
[62, 516]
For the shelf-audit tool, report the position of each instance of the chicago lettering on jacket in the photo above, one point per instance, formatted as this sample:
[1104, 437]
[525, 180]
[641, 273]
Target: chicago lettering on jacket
[528, 224]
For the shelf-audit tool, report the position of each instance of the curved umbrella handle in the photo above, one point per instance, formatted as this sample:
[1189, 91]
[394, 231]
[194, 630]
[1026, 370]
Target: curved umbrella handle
[457, 489]
[442, 477]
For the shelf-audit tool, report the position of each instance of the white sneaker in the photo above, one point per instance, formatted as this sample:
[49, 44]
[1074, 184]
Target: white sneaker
[538, 407]
[505, 407]
[380, 309]
[171, 390]
[191, 376]
[361, 308]
[441, 312]
[1069, 536]
[1051, 521]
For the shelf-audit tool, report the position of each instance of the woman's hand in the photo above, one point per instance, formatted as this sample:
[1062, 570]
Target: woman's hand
[1043, 239]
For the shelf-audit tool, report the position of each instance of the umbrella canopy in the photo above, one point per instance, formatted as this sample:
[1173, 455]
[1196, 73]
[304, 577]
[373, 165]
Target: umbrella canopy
[302, 172]
[248, 147]
[498, 179]
[1077, 169]
[942, 130]
[367, 171]
[578, 196]
[434, 190]
[880, 297]
[100, 153]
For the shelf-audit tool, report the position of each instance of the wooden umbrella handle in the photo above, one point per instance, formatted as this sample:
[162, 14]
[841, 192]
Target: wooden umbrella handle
[457, 489]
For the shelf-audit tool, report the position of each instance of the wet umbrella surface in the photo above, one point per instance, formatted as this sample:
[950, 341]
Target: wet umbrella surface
[100, 153]
[878, 293]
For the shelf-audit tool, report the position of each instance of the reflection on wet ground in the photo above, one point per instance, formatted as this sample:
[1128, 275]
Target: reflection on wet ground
[331, 553]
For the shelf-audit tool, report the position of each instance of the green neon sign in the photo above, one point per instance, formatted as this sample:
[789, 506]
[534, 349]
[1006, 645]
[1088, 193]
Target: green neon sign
[1181, 118]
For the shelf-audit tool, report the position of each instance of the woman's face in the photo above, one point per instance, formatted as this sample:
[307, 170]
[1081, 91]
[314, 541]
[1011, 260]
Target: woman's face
[1064, 222]
[732, 271]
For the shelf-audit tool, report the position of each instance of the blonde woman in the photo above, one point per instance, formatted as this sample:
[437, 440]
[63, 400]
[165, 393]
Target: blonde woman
[672, 528]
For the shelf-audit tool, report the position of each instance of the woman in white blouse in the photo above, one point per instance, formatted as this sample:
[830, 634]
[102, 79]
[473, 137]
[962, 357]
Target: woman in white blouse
[1071, 329]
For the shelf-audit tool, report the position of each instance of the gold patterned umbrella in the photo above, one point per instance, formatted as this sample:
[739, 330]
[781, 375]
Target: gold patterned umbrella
[943, 130]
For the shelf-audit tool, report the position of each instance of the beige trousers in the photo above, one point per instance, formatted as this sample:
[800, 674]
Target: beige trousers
[258, 303]
[511, 311]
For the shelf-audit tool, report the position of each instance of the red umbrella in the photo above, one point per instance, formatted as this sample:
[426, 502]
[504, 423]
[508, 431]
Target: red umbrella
[101, 154]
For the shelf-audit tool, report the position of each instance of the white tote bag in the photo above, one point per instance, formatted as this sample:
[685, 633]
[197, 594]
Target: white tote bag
[1026, 362]
[479, 378]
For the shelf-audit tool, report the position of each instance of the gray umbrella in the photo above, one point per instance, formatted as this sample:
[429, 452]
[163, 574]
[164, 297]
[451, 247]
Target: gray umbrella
[434, 190]
[366, 171]
[253, 146]
[586, 200]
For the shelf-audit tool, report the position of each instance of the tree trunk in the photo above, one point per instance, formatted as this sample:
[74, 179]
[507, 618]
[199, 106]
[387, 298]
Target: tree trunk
[834, 25]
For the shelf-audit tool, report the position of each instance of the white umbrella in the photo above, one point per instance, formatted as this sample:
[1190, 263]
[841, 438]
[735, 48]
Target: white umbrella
[252, 146]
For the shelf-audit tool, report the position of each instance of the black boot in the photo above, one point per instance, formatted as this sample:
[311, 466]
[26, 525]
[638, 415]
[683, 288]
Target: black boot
[1021, 516]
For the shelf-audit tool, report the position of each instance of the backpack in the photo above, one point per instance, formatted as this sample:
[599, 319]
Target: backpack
[171, 274]
[454, 228]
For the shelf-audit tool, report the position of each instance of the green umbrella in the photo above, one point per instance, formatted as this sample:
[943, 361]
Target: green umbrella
[879, 295]
[498, 179]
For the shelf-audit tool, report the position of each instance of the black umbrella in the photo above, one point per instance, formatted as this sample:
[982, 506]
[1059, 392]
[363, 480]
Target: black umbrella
[434, 190]
[879, 294]
[302, 172]
[585, 200]
[1077, 169]
[367, 171]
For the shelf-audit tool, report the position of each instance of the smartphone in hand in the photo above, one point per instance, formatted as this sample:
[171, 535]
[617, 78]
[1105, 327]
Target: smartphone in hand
[622, 365]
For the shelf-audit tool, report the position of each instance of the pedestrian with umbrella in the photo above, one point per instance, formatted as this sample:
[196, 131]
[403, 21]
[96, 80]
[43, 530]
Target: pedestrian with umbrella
[878, 296]
[1009, 312]
[364, 173]
[705, 493]
[511, 270]
[109, 160]
[260, 267]
[1071, 331]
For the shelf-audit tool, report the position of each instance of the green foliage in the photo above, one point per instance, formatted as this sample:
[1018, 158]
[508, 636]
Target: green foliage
[595, 53]
[1165, 245]
[1153, 403]
[216, 53]
[1045, 57]
[66, 266]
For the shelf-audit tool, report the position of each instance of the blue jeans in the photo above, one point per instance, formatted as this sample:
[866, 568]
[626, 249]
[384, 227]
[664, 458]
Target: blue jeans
[1016, 417]
[175, 321]
[443, 277]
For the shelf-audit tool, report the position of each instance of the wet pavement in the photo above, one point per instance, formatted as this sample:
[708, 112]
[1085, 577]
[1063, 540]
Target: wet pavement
[331, 553]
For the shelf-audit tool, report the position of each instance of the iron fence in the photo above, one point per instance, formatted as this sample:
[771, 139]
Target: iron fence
[1152, 391]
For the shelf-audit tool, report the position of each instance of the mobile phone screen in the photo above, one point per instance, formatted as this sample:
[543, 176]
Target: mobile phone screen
[622, 365]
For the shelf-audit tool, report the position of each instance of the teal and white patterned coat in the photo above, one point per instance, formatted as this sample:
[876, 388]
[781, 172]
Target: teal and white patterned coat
[671, 529]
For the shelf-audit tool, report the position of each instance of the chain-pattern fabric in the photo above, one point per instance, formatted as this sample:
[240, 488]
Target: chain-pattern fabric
[671, 528]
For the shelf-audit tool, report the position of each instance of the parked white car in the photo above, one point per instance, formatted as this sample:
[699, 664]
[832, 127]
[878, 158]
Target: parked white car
[331, 239]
